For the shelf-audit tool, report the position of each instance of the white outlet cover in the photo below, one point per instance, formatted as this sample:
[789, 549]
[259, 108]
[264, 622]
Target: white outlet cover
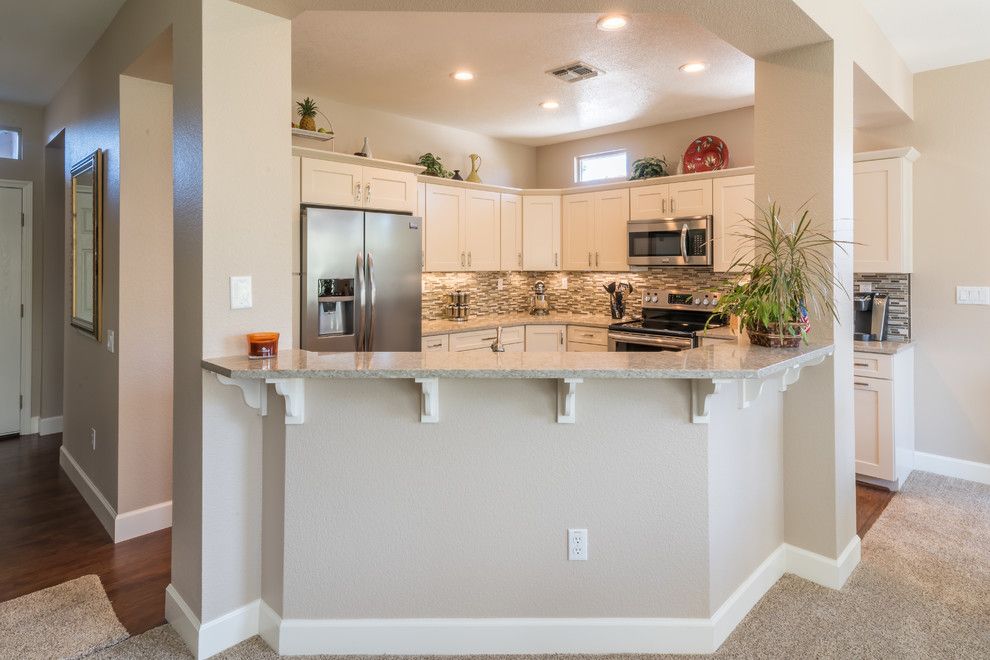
[577, 544]
[865, 287]
[240, 292]
[563, 282]
[972, 295]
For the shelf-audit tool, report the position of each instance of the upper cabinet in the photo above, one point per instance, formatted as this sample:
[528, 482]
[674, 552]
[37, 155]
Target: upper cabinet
[882, 215]
[462, 229]
[482, 237]
[333, 183]
[511, 231]
[594, 231]
[664, 200]
[649, 202]
[733, 203]
[541, 232]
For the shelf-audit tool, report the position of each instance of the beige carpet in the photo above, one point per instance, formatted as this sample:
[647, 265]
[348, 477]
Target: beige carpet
[69, 620]
[922, 590]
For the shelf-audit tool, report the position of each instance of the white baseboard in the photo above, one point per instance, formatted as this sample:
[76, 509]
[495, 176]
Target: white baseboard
[205, 640]
[749, 593]
[120, 527]
[831, 573]
[29, 425]
[50, 425]
[952, 467]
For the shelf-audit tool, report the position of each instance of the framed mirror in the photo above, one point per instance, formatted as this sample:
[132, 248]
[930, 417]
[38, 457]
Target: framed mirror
[87, 243]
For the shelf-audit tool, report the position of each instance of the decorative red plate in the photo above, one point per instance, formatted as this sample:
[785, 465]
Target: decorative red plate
[705, 154]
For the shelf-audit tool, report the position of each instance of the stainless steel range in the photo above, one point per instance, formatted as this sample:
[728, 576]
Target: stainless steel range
[672, 321]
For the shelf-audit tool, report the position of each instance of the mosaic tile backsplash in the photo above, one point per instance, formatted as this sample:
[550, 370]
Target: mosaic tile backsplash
[897, 286]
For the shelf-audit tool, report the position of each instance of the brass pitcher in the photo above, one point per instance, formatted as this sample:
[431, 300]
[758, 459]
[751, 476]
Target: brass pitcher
[475, 166]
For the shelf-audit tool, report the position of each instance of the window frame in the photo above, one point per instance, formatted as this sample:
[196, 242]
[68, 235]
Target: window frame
[599, 154]
[20, 142]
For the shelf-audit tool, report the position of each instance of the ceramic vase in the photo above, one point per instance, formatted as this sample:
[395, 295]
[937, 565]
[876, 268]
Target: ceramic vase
[475, 166]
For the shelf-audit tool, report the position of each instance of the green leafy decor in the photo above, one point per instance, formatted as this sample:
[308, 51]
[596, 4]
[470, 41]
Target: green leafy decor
[650, 167]
[787, 273]
[433, 166]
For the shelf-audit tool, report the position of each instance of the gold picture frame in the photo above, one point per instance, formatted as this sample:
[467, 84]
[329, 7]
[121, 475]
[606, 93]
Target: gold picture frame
[87, 244]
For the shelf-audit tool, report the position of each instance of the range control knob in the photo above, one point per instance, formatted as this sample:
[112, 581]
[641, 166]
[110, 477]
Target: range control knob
[697, 301]
[705, 301]
[656, 298]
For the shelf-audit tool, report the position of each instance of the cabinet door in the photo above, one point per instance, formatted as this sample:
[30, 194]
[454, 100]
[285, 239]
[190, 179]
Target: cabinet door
[611, 241]
[511, 230]
[444, 220]
[691, 198]
[331, 184]
[577, 231]
[389, 190]
[482, 232]
[541, 232]
[648, 202]
[874, 428]
[882, 216]
[733, 198]
[545, 338]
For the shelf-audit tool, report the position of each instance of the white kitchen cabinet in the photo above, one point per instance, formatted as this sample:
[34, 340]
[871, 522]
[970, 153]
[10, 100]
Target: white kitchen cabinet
[443, 222]
[541, 232]
[546, 338]
[513, 338]
[733, 202]
[332, 183]
[648, 202]
[692, 197]
[435, 344]
[882, 214]
[511, 257]
[884, 411]
[594, 230]
[482, 230]
[587, 339]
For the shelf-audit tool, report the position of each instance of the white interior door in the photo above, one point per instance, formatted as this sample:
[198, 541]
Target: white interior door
[11, 207]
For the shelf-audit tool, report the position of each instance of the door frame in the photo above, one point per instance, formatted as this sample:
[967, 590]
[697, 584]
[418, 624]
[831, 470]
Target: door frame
[29, 424]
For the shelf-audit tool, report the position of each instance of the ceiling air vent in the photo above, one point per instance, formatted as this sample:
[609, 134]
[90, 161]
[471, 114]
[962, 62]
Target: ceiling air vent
[574, 72]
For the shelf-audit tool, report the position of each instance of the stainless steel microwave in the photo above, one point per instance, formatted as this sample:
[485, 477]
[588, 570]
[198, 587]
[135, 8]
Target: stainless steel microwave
[671, 241]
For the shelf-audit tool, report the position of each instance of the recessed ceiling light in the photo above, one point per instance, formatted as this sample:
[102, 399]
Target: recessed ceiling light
[462, 75]
[612, 22]
[549, 105]
[693, 67]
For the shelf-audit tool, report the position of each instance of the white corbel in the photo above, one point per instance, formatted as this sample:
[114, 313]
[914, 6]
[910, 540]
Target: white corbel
[252, 389]
[293, 390]
[430, 410]
[567, 400]
[702, 390]
[750, 390]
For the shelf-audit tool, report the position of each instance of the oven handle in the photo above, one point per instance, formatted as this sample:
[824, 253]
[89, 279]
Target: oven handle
[642, 340]
[684, 231]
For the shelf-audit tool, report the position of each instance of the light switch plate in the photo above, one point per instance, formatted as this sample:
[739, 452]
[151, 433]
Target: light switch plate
[973, 295]
[240, 292]
[866, 287]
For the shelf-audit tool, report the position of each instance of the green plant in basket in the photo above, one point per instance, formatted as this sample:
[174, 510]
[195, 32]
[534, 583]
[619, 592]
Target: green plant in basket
[786, 273]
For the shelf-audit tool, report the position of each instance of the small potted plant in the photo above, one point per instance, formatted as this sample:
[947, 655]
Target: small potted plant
[788, 273]
[649, 167]
[433, 166]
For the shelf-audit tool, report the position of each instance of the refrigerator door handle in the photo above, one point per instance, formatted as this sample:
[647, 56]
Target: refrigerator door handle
[359, 325]
[371, 315]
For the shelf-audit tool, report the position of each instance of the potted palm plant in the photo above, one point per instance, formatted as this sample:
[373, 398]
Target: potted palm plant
[787, 273]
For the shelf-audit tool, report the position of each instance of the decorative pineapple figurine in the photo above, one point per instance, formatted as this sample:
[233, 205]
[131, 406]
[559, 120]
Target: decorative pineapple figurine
[307, 114]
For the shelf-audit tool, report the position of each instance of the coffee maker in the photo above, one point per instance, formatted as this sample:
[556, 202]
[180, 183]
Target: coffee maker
[870, 310]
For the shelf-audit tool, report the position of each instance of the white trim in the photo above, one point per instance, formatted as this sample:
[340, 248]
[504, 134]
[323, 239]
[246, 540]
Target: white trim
[269, 624]
[749, 593]
[831, 573]
[50, 425]
[105, 513]
[208, 639]
[909, 153]
[181, 618]
[142, 521]
[952, 467]
[29, 424]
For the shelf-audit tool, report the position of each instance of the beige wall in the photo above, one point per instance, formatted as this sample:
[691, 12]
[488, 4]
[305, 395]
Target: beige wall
[951, 239]
[30, 168]
[555, 162]
[53, 264]
[394, 137]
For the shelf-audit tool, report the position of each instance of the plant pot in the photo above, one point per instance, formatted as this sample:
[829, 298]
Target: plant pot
[307, 123]
[772, 338]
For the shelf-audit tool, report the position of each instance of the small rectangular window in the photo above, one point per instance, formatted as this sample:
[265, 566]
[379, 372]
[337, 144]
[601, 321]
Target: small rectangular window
[598, 167]
[10, 143]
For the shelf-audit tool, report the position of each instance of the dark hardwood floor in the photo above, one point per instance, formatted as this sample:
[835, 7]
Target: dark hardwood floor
[48, 535]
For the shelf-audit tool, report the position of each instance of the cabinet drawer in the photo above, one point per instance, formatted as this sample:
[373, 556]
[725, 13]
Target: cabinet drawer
[868, 365]
[587, 335]
[581, 347]
[476, 339]
[435, 344]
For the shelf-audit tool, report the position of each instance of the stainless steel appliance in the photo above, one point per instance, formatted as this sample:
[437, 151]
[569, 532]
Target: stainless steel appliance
[539, 305]
[870, 322]
[671, 242]
[672, 321]
[361, 281]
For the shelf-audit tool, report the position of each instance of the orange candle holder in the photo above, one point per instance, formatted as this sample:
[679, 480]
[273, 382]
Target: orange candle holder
[262, 345]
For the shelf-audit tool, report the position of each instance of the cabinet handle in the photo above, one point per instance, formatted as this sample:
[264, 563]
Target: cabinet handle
[520, 261]
[673, 204]
[462, 260]
[664, 204]
[596, 260]
[469, 259]
[367, 193]
[561, 337]
[555, 259]
[588, 334]
[589, 260]
[357, 192]
[488, 339]
[435, 346]
[865, 385]
[860, 364]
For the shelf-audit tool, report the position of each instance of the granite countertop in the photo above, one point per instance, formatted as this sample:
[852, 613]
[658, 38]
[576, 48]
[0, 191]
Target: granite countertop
[445, 326]
[889, 347]
[721, 360]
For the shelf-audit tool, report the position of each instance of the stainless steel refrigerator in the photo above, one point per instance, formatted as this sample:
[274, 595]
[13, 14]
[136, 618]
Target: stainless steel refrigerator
[361, 281]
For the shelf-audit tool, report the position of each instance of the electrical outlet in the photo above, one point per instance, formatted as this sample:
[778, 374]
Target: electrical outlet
[577, 544]
[240, 292]
[110, 346]
[563, 282]
[500, 285]
[866, 287]
[92, 438]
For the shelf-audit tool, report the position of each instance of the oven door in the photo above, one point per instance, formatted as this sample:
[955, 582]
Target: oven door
[671, 242]
[627, 342]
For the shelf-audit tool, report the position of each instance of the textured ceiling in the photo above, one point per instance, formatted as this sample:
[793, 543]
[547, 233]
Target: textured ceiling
[43, 41]
[932, 35]
[401, 61]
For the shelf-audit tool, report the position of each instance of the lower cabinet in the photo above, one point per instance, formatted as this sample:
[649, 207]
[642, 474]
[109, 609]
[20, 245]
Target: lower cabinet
[884, 405]
[546, 338]
[587, 339]
[482, 340]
